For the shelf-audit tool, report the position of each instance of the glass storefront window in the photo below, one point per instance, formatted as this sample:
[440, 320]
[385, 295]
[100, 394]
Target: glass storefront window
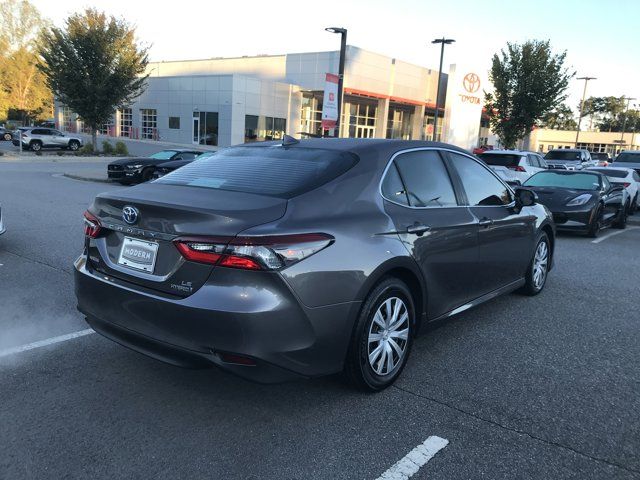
[259, 128]
[126, 122]
[399, 122]
[149, 123]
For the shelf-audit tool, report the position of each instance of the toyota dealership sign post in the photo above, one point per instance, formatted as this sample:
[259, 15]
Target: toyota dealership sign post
[330, 102]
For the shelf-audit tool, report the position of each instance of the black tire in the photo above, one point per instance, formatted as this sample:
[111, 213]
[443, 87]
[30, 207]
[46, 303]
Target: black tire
[35, 145]
[74, 145]
[147, 174]
[7, 137]
[532, 285]
[357, 368]
[596, 223]
[621, 220]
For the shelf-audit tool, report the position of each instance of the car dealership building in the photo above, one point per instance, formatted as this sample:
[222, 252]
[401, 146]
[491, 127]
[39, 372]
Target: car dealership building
[227, 101]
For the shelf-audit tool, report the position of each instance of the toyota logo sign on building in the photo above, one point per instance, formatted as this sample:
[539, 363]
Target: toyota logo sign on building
[471, 82]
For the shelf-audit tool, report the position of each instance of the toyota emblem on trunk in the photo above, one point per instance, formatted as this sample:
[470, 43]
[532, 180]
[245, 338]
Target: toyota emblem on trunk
[130, 214]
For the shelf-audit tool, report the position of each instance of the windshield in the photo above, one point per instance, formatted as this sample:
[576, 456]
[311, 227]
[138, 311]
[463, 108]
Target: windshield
[163, 155]
[610, 172]
[628, 157]
[562, 155]
[500, 159]
[278, 172]
[574, 181]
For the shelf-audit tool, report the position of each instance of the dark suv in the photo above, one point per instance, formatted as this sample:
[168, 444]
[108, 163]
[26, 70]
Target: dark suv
[298, 259]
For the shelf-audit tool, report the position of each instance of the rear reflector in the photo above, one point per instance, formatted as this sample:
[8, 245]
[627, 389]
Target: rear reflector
[254, 253]
[517, 168]
[91, 225]
[237, 359]
[626, 184]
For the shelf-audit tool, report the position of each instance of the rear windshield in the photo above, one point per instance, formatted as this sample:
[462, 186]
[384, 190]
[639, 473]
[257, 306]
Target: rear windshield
[575, 181]
[500, 159]
[272, 171]
[600, 156]
[561, 155]
[609, 172]
[628, 157]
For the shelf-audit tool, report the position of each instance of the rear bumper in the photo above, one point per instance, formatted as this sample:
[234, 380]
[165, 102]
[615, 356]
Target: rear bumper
[262, 321]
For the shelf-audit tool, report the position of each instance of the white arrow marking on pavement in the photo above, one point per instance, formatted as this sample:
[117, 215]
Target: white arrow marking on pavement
[44, 343]
[409, 465]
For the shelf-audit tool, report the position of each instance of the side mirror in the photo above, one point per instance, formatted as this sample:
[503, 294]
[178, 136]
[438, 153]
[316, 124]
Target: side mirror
[525, 197]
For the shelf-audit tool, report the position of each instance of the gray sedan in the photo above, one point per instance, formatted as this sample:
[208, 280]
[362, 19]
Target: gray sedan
[305, 258]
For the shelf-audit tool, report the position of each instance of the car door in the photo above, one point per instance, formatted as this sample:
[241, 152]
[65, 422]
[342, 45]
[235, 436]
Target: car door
[612, 199]
[58, 138]
[439, 232]
[506, 235]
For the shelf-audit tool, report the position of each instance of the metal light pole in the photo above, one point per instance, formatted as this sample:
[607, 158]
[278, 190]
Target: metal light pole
[442, 41]
[584, 93]
[624, 122]
[343, 50]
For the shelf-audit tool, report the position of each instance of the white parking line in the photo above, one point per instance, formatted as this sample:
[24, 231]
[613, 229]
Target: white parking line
[611, 234]
[44, 343]
[409, 465]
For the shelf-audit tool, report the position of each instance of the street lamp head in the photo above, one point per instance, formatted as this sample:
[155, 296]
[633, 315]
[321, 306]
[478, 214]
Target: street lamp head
[336, 30]
[586, 78]
[448, 41]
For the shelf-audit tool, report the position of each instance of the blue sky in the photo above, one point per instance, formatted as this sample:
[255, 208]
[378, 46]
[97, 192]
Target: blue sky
[602, 38]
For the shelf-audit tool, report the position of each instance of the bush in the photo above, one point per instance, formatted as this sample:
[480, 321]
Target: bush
[121, 148]
[107, 148]
[87, 149]
[38, 153]
[60, 153]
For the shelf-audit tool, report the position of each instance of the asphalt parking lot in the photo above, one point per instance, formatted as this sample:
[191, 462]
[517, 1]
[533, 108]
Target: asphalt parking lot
[539, 387]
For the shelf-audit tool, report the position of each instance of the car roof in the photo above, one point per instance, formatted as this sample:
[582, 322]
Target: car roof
[625, 169]
[569, 150]
[359, 145]
[505, 152]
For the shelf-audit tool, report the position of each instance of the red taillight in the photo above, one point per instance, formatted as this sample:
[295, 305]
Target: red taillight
[202, 252]
[91, 225]
[517, 168]
[254, 253]
[626, 184]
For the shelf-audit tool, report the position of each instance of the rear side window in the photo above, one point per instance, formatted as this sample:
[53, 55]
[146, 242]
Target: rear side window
[500, 159]
[392, 187]
[272, 171]
[426, 179]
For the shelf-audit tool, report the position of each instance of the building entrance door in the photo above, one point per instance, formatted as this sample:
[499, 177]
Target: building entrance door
[196, 129]
[365, 131]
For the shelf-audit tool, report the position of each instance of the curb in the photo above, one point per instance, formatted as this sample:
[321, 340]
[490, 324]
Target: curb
[86, 179]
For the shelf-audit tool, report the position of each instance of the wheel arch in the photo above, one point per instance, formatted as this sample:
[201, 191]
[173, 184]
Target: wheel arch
[406, 270]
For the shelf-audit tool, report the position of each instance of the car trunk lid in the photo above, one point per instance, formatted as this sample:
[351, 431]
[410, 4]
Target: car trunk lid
[142, 250]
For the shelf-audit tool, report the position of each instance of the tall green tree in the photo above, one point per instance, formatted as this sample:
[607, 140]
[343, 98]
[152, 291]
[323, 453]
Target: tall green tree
[608, 112]
[94, 66]
[23, 88]
[529, 80]
[560, 118]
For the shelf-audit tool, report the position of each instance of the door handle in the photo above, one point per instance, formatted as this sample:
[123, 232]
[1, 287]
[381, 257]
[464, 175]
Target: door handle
[418, 229]
[485, 222]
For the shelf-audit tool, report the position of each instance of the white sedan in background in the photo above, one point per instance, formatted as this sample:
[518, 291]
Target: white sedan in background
[626, 176]
[514, 166]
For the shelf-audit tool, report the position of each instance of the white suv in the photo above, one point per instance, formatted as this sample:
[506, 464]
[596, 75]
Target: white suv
[514, 166]
[37, 138]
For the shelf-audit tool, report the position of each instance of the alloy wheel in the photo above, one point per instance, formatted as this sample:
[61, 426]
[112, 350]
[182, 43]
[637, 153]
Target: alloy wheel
[540, 262]
[388, 336]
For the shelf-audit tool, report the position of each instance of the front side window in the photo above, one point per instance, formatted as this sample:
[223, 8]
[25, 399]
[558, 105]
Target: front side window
[426, 179]
[481, 186]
